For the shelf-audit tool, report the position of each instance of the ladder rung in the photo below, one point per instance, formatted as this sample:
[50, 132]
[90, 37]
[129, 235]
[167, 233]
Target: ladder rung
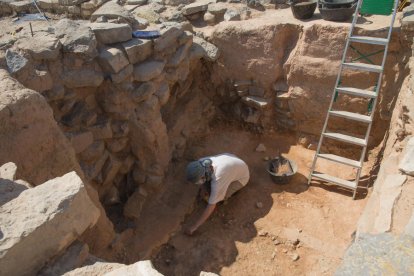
[346, 138]
[352, 116]
[363, 67]
[340, 159]
[335, 180]
[357, 92]
[369, 40]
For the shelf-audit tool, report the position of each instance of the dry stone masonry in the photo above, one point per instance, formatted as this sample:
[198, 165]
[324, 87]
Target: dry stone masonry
[108, 89]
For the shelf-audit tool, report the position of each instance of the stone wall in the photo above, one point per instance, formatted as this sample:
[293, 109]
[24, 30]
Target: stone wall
[126, 105]
[31, 138]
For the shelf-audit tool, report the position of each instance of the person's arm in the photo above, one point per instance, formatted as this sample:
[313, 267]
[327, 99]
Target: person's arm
[206, 214]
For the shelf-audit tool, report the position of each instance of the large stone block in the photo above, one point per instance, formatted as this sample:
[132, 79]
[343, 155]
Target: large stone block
[143, 92]
[41, 222]
[41, 46]
[110, 33]
[204, 49]
[110, 169]
[179, 55]
[74, 117]
[123, 74]
[80, 140]
[148, 70]
[16, 62]
[82, 78]
[169, 37]
[111, 10]
[24, 6]
[76, 37]
[147, 13]
[113, 99]
[218, 9]
[199, 6]
[112, 60]
[48, 4]
[93, 170]
[138, 49]
[232, 15]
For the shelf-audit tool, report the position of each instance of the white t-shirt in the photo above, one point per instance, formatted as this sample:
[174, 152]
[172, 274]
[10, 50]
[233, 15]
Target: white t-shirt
[227, 169]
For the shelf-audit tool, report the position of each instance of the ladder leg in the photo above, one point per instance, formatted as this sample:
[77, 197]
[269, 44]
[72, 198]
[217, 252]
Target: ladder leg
[355, 192]
[354, 186]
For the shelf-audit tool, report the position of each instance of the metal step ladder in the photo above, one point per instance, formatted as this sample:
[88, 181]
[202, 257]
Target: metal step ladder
[355, 92]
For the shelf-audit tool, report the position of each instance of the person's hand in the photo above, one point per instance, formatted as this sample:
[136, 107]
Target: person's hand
[190, 231]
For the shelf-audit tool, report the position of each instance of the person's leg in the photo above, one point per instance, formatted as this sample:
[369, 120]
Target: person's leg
[233, 188]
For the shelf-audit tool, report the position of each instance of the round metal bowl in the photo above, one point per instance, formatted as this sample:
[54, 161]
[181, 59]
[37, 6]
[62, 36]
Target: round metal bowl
[303, 9]
[273, 170]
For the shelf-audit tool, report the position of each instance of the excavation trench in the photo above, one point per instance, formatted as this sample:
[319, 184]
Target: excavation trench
[266, 226]
[137, 112]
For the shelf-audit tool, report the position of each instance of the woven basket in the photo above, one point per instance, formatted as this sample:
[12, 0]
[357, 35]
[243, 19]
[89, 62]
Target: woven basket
[382, 7]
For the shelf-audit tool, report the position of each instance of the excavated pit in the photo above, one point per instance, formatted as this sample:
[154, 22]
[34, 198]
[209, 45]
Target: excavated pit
[266, 226]
[271, 85]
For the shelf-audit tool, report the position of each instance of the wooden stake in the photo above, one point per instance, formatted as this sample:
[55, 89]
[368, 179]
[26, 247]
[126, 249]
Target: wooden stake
[31, 29]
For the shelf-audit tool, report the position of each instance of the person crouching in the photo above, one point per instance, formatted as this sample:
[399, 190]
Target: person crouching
[219, 177]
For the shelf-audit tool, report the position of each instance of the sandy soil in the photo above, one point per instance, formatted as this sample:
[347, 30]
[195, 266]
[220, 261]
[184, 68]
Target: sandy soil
[264, 227]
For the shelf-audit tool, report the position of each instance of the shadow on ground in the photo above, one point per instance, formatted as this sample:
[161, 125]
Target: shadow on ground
[361, 192]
